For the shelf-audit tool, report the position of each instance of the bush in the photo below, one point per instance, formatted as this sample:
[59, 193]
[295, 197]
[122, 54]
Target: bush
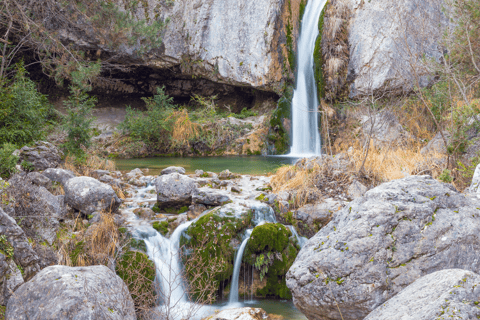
[24, 111]
[7, 160]
[445, 176]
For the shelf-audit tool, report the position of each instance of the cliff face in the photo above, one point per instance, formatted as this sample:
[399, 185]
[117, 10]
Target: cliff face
[239, 43]
[386, 42]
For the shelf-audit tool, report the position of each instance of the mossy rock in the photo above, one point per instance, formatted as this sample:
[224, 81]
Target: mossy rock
[209, 239]
[138, 273]
[268, 237]
[161, 226]
[278, 135]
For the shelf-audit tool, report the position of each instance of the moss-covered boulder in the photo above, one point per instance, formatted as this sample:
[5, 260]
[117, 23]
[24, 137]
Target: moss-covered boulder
[161, 226]
[272, 252]
[209, 241]
[138, 273]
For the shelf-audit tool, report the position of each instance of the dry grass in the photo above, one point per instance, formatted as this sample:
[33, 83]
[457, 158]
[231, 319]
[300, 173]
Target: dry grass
[183, 128]
[92, 163]
[103, 240]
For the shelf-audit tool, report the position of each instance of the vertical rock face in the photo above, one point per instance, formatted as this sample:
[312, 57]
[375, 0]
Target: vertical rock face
[386, 41]
[381, 243]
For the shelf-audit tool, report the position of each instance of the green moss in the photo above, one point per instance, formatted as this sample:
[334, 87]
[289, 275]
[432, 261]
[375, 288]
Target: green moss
[161, 226]
[260, 197]
[138, 244]
[279, 136]
[171, 210]
[209, 239]
[155, 208]
[289, 40]
[266, 243]
[318, 57]
[138, 273]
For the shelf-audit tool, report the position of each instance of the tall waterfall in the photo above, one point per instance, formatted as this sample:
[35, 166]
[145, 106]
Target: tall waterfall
[306, 138]
[236, 270]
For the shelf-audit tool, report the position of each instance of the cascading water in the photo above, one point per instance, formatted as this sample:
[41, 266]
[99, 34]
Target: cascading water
[306, 138]
[236, 268]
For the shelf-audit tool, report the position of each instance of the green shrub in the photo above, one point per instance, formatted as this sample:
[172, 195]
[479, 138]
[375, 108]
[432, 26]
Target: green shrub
[245, 113]
[161, 226]
[445, 176]
[7, 160]
[153, 126]
[24, 112]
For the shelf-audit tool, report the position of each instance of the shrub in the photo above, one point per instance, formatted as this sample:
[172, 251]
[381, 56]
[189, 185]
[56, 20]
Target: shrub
[445, 176]
[7, 160]
[24, 111]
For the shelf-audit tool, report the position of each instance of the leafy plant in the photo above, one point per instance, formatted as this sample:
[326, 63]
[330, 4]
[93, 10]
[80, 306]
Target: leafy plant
[8, 161]
[27, 166]
[445, 176]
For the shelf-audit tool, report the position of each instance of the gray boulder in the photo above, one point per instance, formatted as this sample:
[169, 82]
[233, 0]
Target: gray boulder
[88, 195]
[356, 190]
[43, 155]
[111, 181]
[475, 181]
[380, 243]
[39, 179]
[436, 145]
[58, 175]
[209, 197]
[173, 170]
[384, 129]
[23, 255]
[174, 190]
[98, 173]
[10, 279]
[134, 174]
[320, 212]
[445, 294]
[61, 292]
[240, 314]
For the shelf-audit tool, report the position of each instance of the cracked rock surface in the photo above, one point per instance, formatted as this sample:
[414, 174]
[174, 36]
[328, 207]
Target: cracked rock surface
[382, 242]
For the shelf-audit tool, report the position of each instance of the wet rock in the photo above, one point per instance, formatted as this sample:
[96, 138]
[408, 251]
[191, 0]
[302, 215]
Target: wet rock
[111, 181]
[236, 189]
[24, 255]
[195, 210]
[226, 175]
[61, 292]
[380, 243]
[240, 314]
[42, 156]
[209, 197]
[98, 173]
[445, 294]
[145, 213]
[174, 190]
[199, 173]
[169, 170]
[88, 195]
[58, 175]
[134, 174]
[356, 190]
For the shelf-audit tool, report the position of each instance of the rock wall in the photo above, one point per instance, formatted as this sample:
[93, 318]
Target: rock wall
[386, 41]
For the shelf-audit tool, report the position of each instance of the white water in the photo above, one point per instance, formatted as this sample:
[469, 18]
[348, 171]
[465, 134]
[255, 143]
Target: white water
[306, 138]
[301, 240]
[237, 262]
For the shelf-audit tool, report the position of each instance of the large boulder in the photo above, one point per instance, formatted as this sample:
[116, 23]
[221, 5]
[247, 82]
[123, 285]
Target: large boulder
[373, 46]
[61, 292]
[380, 243]
[210, 197]
[42, 156]
[58, 175]
[174, 190]
[172, 170]
[23, 254]
[240, 314]
[10, 278]
[445, 294]
[88, 195]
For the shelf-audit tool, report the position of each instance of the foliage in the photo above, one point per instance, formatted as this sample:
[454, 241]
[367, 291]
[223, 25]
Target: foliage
[23, 110]
[318, 58]
[245, 113]
[5, 247]
[161, 226]
[278, 134]
[446, 176]
[8, 161]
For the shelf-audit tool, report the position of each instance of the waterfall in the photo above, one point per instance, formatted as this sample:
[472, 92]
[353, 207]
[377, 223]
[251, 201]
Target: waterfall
[306, 138]
[301, 240]
[237, 262]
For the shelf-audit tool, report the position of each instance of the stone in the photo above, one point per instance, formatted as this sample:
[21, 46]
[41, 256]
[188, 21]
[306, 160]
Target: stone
[88, 195]
[226, 175]
[145, 213]
[240, 314]
[436, 145]
[210, 197]
[10, 279]
[24, 255]
[382, 242]
[111, 181]
[475, 181]
[39, 179]
[58, 175]
[98, 173]
[320, 212]
[236, 189]
[169, 170]
[174, 190]
[195, 210]
[444, 294]
[199, 173]
[42, 156]
[61, 292]
[384, 129]
[356, 190]
[134, 174]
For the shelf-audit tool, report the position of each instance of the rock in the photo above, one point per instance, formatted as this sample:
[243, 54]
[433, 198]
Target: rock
[87, 195]
[199, 173]
[169, 170]
[320, 212]
[209, 197]
[24, 255]
[39, 179]
[356, 190]
[236, 189]
[240, 314]
[11, 279]
[98, 173]
[111, 181]
[174, 190]
[380, 243]
[61, 292]
[47, 256]
[137, 182]
[42, 156]
[41, 209]
[384, 129]
[195, 210]
[436, 145]
[226, 174]
[134, 174]
[58, 175]
[410, 32]
[475, 181]
[445, 294]
[145, 213]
